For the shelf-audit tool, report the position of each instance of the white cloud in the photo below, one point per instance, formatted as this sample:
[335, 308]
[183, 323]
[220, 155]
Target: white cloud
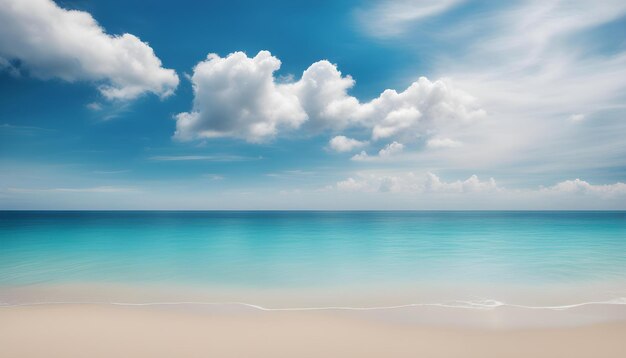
[412, 183]
[429, 183]
[391, 149]
[209, 158]
[471, 184]
[213, 176]
[578, 117]
[386, 152]
[98, 189]
[237, 96]
[533, 64]
[23, 129]
[344, 144]
[352, 184]
[583, 187]
[362, 156]
[51, 42]
[94, 106]
[374, 189]
[390, 18]
[423, 108]
[437, 143]
[323, 94]
[396, 122]
[291, 174]
[111, 171]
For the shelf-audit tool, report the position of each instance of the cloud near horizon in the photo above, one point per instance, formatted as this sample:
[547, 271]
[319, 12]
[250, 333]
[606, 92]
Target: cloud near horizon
[578, 186]
[46, 41]
[239, 96]
[532, 92]
[412, 183]
[97, 189]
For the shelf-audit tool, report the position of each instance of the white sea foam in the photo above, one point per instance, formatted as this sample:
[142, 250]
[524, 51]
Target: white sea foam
[487, 304]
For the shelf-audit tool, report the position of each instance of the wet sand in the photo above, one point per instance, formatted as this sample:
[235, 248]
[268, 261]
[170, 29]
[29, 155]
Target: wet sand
[92, 330]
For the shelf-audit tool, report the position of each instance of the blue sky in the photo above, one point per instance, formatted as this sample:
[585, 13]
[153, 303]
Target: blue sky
[452, 104]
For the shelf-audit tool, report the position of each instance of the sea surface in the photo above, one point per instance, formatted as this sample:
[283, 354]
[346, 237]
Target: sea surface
[411, 256]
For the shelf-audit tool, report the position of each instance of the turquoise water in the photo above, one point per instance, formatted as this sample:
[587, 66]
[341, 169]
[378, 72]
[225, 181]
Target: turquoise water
[311, 249]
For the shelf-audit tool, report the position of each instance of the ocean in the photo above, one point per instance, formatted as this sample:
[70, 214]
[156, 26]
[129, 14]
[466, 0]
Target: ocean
[355, 258]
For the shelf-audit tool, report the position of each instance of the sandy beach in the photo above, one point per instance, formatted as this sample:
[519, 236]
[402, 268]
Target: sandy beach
[75, 330]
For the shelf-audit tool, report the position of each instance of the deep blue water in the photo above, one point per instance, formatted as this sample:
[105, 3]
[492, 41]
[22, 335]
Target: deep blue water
[293, 249]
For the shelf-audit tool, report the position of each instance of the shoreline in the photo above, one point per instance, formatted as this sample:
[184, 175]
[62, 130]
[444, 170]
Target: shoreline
[495, 317]
[431, 306]
[75, 330]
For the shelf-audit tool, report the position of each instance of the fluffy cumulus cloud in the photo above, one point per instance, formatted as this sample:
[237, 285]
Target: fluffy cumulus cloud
[46, 41]
[387, 152]
[391, 149]
[431, 184]
[344, 144]
[323, 94]
[238, 96]
[421, 108]
[414, 183]
[583, 187]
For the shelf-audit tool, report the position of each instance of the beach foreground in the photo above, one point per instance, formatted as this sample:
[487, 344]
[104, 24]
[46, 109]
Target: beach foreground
[79, 330]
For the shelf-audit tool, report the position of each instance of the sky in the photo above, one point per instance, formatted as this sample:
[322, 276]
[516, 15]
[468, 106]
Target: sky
[324, 105]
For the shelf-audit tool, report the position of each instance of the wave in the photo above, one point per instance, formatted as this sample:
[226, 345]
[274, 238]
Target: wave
[487, 304]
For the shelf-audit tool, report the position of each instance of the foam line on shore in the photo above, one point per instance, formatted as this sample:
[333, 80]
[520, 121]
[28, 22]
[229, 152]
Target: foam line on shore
[488, 304]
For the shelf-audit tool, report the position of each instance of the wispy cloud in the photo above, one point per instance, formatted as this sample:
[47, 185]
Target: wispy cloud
[111, 171]
[578, 117]
[209, 158]
[94, 106]
[551, 84]
[23, 129]
[438, 143]
[290, 173]
[97, 189]
[213, 176]
[391, 18]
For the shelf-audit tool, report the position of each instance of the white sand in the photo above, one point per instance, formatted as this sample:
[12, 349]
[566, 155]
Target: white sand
[122, 331]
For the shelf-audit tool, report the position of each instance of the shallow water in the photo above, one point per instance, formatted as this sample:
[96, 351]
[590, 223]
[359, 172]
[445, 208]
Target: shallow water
[568, 257]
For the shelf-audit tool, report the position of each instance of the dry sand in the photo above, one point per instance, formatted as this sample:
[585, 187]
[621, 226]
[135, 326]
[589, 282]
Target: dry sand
[120, 331]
